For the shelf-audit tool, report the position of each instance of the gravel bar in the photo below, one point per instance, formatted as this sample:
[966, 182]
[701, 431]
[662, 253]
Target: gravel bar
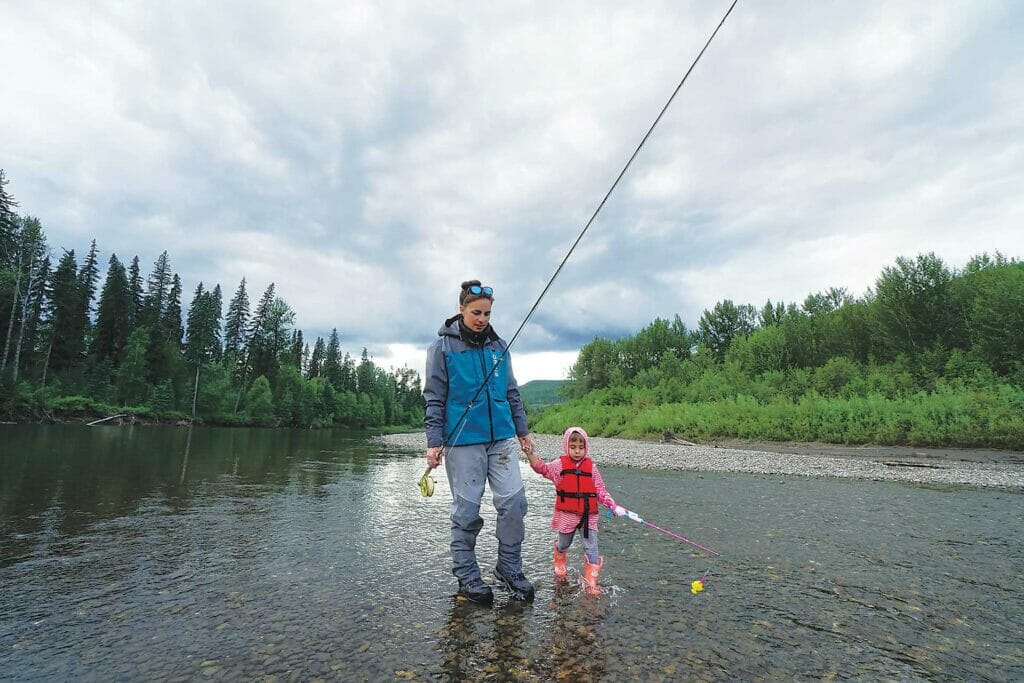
[701, 458]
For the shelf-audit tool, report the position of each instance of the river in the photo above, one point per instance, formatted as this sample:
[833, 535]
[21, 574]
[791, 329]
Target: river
[138, 553]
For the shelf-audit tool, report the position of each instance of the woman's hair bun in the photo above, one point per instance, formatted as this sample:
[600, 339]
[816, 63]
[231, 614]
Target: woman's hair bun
[469, 283]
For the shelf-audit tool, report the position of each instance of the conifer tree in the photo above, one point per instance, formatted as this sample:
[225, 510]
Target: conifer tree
[348, 374]
[130, 377]
[161, 315]
[256, 348]
[236, 322]
[170, 322]
[316, 360]
[332, 360]
[278, 331]
[216, 303]
[67, 340]
[203, 330]
[157, 287]
[135, 292]
[203, 327]
[88, 276]
[365, 374]
[113, 317]
[295, 357]
[269, 335]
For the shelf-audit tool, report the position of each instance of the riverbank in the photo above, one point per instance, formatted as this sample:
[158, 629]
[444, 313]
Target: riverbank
[934, 466]
[78, 410]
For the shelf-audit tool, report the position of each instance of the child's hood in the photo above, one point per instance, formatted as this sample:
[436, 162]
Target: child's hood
[568, 434]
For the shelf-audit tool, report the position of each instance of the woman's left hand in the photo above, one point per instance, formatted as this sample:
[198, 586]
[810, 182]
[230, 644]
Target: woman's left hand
[527, 444]
[434, 456]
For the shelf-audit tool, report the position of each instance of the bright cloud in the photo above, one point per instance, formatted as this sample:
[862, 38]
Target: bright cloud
[367, 157]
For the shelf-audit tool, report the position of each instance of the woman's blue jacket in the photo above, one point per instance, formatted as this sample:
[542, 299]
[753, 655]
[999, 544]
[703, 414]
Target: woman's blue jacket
[455, 372]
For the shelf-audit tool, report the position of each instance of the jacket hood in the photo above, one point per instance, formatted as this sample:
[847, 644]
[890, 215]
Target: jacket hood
[568, 434]
[450, 328]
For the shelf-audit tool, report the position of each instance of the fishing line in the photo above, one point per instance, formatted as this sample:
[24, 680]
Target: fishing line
[586, 227]
[619, 177]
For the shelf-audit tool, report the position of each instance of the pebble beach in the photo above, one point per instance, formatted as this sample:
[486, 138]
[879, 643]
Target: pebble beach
[874, 465]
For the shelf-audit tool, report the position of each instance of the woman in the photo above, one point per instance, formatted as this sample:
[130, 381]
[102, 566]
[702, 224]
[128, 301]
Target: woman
[473, 415]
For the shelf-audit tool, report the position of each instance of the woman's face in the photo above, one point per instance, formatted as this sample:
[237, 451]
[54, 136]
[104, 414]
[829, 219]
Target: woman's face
[476, 314]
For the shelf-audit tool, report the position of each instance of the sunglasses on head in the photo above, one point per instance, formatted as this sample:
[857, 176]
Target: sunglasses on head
[477, 290]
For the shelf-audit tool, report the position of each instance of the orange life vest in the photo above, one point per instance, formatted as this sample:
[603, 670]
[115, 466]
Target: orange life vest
[576, 492]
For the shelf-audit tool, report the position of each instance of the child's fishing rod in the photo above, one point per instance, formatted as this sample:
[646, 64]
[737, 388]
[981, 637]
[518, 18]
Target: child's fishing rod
[637, 518]
[681, 538]
[586, 227]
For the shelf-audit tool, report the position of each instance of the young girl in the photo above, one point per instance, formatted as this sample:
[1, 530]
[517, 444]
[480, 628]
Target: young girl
[579, 488]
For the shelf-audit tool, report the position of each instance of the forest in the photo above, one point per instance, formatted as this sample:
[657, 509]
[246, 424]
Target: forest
[130, 348]
[929, 356]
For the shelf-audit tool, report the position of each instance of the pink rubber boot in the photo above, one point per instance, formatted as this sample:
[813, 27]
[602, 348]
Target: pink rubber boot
[560, 569]
[590, 574]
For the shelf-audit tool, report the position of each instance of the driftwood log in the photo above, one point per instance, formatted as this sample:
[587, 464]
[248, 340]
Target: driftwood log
[906, 463]
[668, 437]
[112, 417]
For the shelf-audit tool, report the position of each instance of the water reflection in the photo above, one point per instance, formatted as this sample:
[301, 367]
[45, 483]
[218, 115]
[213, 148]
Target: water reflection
[477, 643]
[184, 460]
[239, 554]
[575, 646]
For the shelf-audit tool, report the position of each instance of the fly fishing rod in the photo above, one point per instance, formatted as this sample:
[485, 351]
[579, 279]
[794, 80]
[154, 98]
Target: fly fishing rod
[572, 248]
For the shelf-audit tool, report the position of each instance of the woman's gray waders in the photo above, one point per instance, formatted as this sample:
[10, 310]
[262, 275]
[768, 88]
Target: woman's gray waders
[468, 468]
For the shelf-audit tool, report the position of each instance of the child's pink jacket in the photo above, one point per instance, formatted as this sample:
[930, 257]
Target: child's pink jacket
[562, 521]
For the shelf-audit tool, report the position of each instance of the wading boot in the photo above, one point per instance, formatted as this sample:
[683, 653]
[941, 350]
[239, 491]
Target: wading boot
[475, 590]
[590, 574]
[560, 570]
[516, 583]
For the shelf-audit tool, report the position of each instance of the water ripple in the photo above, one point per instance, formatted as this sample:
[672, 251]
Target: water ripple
[314, 556]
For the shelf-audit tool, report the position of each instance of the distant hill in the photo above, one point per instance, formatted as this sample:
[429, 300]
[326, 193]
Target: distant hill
[542, 392]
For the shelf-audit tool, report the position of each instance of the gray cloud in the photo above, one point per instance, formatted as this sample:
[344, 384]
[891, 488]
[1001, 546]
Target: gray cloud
[366, 158]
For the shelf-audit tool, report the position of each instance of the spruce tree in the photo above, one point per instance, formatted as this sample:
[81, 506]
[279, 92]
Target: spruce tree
[316, 360]
[332, 360]
[279, 333]
[157, 287]
[203, 327]
[216, 303]
[170, 322]
[135, 292]
[295, 357]
[366, 375]
[348, 374]
[130, 377]
[161, 316]
[263, 346]
[88, 276]
[65, 314]
[113, 317]
[235, 323]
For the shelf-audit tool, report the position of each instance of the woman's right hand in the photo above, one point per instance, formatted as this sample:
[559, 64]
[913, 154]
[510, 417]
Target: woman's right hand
[434, 455]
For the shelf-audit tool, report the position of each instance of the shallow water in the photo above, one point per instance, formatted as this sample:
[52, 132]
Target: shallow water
[153, 553]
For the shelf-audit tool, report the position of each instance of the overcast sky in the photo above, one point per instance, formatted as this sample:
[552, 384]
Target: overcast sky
[368, 157]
